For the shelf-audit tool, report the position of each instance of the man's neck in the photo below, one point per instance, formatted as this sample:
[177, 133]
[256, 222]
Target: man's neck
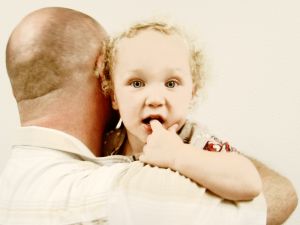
[83, 117]
[86, 132]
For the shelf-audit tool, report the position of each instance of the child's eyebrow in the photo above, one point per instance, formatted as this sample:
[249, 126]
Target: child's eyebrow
[136, 73]
[169, 73]
[133, 72]
[167, 70]
[175, 71]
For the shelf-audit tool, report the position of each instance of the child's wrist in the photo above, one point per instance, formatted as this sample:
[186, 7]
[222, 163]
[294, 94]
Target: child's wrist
[179, 157]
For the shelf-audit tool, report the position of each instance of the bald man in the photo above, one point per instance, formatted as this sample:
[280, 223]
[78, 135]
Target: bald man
[55, 174]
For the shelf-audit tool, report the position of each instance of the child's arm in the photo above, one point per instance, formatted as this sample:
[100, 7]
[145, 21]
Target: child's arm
[229, 175]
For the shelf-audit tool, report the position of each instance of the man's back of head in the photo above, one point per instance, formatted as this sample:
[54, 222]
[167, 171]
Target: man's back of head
[50, 47]
[50, 58]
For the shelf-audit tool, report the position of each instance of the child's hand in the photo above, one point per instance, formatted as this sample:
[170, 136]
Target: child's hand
[162, 146]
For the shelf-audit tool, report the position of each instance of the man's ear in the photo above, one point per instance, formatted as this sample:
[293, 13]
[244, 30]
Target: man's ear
[114, 102]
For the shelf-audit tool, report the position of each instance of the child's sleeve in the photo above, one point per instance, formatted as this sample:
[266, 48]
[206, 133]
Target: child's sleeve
[199, 136]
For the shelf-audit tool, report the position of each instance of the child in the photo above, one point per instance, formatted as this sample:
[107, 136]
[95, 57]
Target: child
[152, 74]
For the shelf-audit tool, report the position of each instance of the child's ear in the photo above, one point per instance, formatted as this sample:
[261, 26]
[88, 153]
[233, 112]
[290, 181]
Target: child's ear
[114, 102]
[99, 66]
[194, 91]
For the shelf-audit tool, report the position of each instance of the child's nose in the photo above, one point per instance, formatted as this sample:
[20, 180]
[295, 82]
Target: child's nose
[155, 99]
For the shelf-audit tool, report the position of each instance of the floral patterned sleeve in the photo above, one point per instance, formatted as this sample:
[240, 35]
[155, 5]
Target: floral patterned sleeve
[217, 145]
[198, 135]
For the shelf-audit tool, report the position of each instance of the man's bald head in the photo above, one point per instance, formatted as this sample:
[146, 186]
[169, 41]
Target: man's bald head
[49, 48]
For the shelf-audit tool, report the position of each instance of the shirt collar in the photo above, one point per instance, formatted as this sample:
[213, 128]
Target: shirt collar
[52, 139]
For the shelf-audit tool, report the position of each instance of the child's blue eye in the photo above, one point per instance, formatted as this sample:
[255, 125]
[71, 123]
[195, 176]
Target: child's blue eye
[171, 84]
[137, 84]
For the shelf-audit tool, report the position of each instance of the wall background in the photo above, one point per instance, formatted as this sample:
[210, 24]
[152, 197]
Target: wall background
[252, 49]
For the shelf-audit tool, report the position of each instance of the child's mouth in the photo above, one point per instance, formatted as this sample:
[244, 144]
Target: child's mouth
[153, 117]
[147, 120]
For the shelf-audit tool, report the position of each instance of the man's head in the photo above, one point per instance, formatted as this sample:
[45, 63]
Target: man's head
[154, 72]
[49, 48]
[51, 57]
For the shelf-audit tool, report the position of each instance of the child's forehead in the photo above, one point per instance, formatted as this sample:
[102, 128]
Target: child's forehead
[151, 37]
[152, 50]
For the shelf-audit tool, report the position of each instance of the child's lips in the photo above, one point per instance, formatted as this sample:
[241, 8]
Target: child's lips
[153, 117]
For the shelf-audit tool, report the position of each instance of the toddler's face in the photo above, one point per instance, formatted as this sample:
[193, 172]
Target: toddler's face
[152, 79]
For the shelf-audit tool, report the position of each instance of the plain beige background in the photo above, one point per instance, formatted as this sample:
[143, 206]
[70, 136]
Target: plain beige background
[252, 50]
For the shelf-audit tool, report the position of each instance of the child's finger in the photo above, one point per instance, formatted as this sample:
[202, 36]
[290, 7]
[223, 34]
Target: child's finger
[156, 125]
[173, 128]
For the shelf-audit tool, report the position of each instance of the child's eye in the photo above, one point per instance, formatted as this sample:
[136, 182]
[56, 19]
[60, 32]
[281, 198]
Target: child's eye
[171, 84]
[137, 84]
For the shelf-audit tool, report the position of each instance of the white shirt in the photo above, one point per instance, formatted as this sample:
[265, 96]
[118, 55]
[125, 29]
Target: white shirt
[53, 178]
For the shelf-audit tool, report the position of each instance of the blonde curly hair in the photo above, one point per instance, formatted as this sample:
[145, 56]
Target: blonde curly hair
[110, 49]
